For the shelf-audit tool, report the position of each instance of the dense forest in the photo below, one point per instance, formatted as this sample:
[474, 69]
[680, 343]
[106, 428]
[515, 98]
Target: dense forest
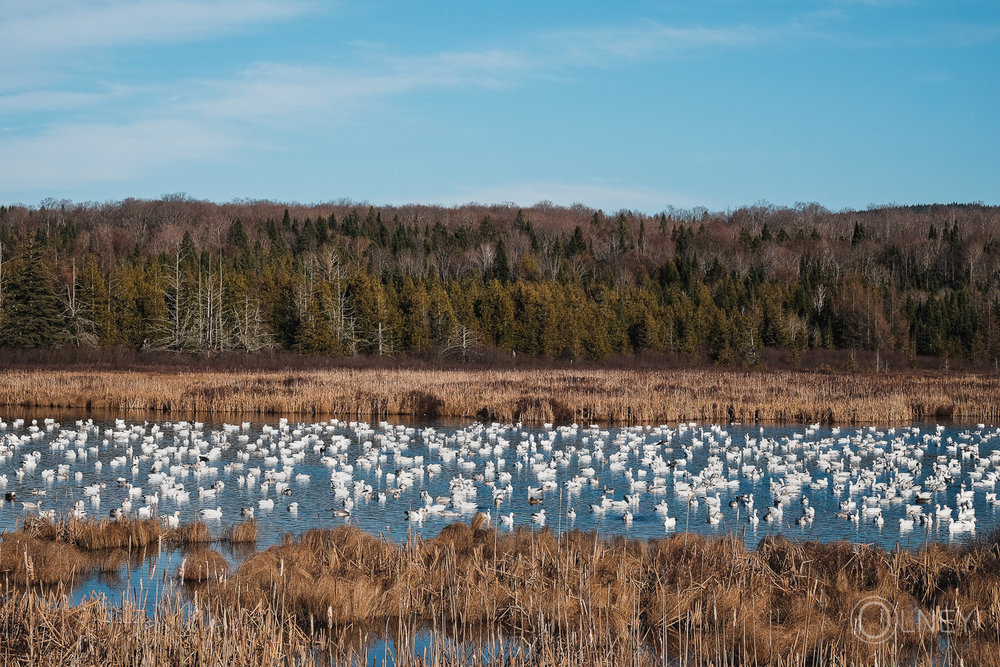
[346, 279]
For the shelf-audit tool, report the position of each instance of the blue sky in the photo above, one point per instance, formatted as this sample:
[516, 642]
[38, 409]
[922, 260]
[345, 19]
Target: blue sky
[717, 103]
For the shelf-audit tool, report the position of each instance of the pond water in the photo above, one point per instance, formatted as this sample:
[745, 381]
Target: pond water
[375, 475]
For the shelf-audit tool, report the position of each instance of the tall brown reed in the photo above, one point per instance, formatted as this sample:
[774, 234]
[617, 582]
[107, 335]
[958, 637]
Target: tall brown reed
[685, 595]
[202, 565]
[578, 598]
[648, 396]
[244, 532]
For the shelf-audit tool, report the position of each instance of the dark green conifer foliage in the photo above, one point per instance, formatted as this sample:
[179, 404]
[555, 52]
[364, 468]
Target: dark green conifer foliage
[501, 267]
[238, 235]
[576, 243]
[728, 288]
[33, 315]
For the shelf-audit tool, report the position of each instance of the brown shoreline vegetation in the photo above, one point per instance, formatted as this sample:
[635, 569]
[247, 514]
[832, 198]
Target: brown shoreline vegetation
[509, 395]
[545, 599]
[44, 553]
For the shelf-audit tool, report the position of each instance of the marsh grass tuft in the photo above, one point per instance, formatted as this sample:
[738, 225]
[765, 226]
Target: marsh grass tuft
[244, 532]
[202, 565]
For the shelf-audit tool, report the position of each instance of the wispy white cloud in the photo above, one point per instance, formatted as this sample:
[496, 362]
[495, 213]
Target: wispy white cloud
[48, 42]
[275, 90]
[67, 100]
[56, 27]
[647, 39]
[73, 155]
[166, 123]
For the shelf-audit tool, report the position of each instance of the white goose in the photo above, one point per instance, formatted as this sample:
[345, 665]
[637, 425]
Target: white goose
[211, 514]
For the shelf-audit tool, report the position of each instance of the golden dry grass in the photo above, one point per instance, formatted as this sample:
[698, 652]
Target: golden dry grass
[39, 630]
[629, 396]
[578, 598]
[709, 598]
[91, 535]
[48, 553]
[202, 565]
[193, 532]
[244, 532]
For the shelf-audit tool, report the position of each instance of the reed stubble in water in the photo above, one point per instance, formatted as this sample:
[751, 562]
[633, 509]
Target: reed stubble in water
[546, 598]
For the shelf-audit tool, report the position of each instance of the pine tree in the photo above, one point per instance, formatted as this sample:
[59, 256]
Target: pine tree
[92, 316]
[441, 316]
[415, 333]
[315, 334]
[576, 244]
[624, 235]
[373, 306]
[141, 315]
[238, 235]
[859, 233]
[501, 268]
[32, 314]
[496, 312]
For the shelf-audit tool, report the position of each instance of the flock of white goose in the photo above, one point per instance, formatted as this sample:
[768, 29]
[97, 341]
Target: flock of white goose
[583, 477]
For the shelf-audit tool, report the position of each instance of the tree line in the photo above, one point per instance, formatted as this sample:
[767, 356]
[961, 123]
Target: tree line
[345, 279]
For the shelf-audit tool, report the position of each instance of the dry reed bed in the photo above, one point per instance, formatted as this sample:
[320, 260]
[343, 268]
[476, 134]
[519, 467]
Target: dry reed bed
[39, 630]
[628, 396]
[685, 594]
[43, 553]
[576, 598]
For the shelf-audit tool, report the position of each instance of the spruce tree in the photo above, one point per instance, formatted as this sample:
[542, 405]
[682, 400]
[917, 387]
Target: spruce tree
[237, 234]
[501, 267]
[315, 334]
[577, 244]
[32, 313]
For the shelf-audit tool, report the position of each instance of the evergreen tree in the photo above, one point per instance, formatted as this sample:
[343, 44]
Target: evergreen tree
[415, 332]
[624, 234]
[238, 235]
[501, 268]
[488, 231]
[32, 313]
[496, 313]
[576, 245]
[859, 234]
[91, 322]
[315, 334]
[441, 316]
